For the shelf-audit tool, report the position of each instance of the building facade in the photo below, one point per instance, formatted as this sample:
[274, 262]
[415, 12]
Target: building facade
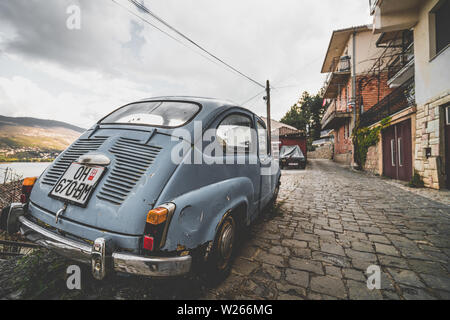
[397, 70]
[351, 87]
[393, 156]
[422, 72]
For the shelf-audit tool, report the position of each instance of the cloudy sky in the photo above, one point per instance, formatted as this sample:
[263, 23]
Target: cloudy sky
[49, 71]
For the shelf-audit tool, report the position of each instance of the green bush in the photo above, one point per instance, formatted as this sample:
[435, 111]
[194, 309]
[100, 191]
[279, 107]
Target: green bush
[364, 138]
[416, 181]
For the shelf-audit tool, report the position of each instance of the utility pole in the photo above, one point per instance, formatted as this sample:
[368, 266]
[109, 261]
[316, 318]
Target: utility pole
[269, 121]
[353, 101]
[355, 114]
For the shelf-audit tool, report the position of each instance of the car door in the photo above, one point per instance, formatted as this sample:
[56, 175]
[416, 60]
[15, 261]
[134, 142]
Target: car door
[235, 132]
[265, 161]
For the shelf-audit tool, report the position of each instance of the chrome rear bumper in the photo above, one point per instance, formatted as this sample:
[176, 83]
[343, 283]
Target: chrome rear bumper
[98, 255]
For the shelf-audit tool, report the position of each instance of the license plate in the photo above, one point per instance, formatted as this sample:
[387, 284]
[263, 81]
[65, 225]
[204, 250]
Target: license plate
[293, 164]
[77, 184]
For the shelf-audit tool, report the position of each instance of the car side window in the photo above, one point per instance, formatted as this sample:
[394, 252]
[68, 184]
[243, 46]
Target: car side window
[262, 140]
[234, 133]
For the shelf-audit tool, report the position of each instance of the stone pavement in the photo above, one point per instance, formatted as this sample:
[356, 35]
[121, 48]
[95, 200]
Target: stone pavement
[332, 224]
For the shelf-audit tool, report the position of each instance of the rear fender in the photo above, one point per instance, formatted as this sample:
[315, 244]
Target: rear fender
[198, 213]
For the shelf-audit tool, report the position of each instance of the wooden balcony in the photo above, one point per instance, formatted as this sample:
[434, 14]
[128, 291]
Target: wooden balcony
[340, 72]
[334, 117]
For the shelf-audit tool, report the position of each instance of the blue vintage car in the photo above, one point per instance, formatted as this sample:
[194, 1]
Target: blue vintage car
[154, 188]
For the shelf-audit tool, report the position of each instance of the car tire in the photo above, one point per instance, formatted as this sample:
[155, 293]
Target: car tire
[4, 218]
[275, 195]
[222, 255]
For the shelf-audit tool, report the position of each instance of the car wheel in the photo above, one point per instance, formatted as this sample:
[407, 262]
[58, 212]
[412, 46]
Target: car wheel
[271, 205]
[221, 259]
[275, 193]
[4, 217]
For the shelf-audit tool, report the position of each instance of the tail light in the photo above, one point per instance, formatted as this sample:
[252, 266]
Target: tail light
[27, 186]
[156, 226]
[149, 243]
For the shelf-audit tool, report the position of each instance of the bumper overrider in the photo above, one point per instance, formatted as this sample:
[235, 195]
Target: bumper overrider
[100, 255]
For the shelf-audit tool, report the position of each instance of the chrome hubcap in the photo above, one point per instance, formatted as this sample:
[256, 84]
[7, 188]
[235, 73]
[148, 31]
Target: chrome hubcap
[226, 240]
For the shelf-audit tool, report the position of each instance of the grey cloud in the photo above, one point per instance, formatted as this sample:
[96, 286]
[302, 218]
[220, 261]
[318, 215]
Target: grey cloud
[41, 32]
[283, 41]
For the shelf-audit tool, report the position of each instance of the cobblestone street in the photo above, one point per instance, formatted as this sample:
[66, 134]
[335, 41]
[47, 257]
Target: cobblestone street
[332, 224]
[329, 226]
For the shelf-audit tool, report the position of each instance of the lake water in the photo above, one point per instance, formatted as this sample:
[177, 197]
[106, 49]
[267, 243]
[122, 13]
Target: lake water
[22, 169]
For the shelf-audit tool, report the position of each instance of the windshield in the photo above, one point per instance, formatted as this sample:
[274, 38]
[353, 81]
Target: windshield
[166, 114]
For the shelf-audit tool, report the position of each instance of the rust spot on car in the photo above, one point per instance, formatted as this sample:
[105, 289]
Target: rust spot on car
[208, 249]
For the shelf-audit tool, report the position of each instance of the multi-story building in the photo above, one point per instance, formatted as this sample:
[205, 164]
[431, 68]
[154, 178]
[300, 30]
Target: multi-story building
[350, 87]
[397, 68]
[416, 36]
[393, 156]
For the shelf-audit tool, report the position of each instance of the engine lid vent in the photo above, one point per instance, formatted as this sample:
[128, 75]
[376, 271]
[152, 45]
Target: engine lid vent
[132, 159]
[79, 148]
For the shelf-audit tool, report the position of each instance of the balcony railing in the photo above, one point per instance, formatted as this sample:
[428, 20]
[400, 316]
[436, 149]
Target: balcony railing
[339, 70]
[331, 108]
[403, 59]
[399, 99]
[333, 115]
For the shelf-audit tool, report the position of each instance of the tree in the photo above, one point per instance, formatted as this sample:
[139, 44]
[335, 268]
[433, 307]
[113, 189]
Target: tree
[306, 115]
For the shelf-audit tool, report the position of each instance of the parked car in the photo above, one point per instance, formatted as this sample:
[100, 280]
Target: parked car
[292, 157]
[117, 200]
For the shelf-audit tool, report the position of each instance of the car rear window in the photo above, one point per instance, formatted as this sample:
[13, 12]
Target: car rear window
[163, 114]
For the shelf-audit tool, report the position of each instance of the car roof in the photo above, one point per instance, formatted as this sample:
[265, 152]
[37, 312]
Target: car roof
[204, 101]
[210, 106]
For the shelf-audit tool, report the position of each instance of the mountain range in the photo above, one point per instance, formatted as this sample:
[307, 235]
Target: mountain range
[26, 132]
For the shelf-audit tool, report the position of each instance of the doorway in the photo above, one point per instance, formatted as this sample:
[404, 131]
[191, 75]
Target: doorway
[397, 151]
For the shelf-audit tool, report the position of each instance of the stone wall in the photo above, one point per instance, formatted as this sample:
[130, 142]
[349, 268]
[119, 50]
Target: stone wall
[344, 158]
[429, 134]
[322, 152]
[373, 159]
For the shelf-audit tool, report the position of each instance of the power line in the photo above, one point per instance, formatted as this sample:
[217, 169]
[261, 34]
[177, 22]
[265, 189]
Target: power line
[153, 15]
[254, 97]
[162, 31]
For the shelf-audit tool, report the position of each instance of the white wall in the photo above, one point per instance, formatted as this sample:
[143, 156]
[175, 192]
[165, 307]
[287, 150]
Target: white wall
[366, 51]
[432, 77]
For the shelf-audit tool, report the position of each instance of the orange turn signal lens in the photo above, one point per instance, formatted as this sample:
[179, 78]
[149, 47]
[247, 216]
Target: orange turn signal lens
[157, 216]
[29, 182]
